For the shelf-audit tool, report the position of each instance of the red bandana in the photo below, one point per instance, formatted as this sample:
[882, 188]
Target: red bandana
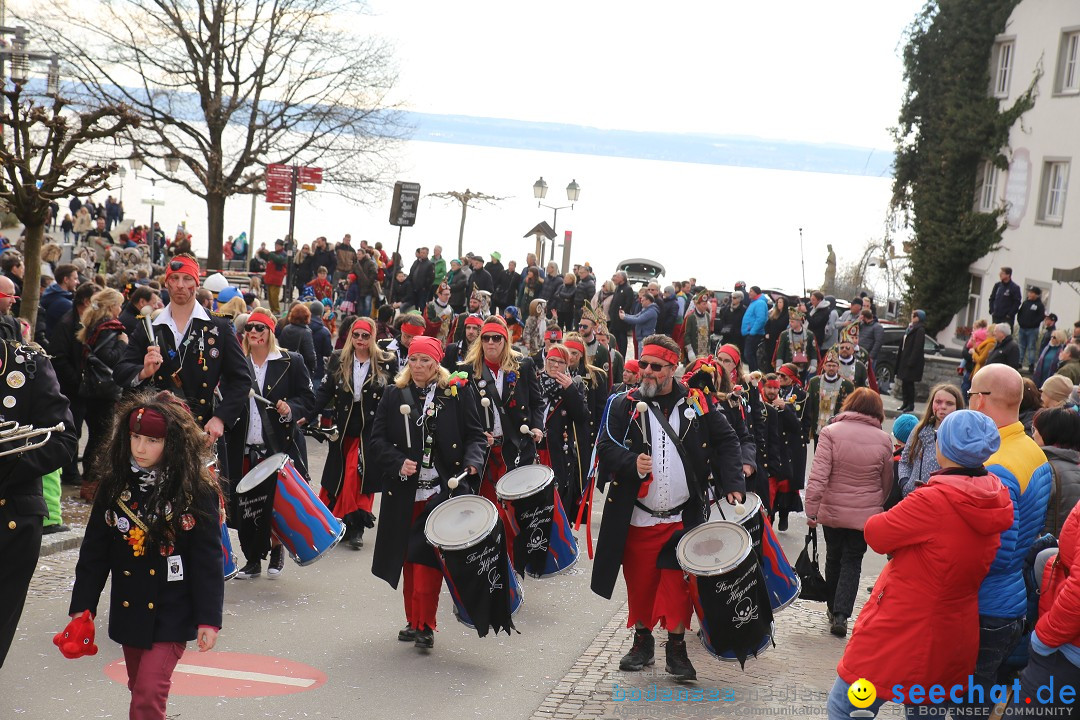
[659, 351]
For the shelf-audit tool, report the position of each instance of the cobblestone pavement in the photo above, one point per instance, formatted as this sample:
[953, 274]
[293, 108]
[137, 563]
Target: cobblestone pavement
[792, 678]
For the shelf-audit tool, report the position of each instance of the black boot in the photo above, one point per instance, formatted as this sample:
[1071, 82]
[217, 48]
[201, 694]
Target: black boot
[782, 527]
[678, 663]
[407, 634]
[643, 653]
[425, 639]
[356, 537]
[838, 626]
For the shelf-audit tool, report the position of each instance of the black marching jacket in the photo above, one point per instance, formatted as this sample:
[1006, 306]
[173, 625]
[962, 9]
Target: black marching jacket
[145, 605]
[714, 453]
[332, 391]
[459, 442]
[212, 357]
[521, 404]
[286, 379]
[566, 437]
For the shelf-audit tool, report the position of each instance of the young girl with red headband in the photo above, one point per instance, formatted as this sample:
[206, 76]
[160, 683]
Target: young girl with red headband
[156, 529]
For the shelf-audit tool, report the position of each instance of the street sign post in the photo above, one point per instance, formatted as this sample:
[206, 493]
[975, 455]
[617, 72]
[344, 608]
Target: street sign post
[402, 214]
[282, 182]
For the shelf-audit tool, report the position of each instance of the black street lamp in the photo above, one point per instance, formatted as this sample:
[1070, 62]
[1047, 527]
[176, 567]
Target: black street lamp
[573, 192]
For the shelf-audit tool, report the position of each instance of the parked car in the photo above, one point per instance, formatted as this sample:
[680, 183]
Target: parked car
[890, 352]
[641, 271]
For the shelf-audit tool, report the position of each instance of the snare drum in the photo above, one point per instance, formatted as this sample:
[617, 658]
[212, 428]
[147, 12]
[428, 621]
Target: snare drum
[728, 590]
[750, 518]
[781, 580]
[300, 520]
[470, 543]
[228, 556]
[544, 544]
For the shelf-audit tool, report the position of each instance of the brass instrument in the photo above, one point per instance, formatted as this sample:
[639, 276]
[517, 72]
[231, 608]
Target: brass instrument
[12, 431]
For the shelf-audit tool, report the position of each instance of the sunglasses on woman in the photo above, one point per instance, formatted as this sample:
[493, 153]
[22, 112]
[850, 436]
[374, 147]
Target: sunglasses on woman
[361, 336]
[493, 339]
[254, 327]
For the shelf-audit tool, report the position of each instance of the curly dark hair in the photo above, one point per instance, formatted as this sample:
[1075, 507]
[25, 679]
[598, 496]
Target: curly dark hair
[186, 481]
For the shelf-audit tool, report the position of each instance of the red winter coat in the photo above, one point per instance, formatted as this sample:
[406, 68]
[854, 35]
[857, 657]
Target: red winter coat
[1061, 624]
[921, 625]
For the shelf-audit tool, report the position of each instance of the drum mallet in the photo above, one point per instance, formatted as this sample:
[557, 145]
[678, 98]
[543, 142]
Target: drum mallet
[259, 398]
[406, 410]
[144, 314]
[642, 408]
[486, 403]
[453, 482]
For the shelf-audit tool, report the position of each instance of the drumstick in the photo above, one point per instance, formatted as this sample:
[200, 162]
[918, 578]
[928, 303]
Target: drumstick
[486, 402]
[259, 398]
[144, 314]
[642, 408]
[453, 482]
[524, 429]
[406, 410]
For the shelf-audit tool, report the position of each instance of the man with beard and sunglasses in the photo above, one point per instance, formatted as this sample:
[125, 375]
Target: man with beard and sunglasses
[653, 497]
[191, 353]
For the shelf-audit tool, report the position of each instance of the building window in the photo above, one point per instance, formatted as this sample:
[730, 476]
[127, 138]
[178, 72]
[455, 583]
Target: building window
[1003, 61]
[988, 193]
[967, 317]
[1055, 185]
[1068, 70]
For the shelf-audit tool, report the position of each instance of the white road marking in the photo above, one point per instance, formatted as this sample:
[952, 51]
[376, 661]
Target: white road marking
[242, 675]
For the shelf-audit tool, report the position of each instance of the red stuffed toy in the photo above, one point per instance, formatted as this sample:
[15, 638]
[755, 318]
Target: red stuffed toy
[77, 639]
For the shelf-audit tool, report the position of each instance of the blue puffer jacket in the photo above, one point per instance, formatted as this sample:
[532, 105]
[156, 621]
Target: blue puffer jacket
[1023, 469]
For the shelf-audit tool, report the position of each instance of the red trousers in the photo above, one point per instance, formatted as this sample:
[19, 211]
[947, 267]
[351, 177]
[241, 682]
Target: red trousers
[350, 499]
[150, 677]
[496, 468]
[775, 488]
[421, 587]
[655, 595]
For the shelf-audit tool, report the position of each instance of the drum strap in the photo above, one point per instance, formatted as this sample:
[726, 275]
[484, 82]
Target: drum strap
[696, 491]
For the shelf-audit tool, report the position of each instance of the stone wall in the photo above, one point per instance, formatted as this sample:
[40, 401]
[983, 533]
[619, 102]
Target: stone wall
[936, 370]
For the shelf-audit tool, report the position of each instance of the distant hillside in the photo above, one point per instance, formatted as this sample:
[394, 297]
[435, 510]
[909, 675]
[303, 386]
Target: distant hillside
[705, 149]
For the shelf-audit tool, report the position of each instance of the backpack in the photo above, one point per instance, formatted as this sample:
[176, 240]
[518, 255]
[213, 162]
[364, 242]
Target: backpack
[97, 381]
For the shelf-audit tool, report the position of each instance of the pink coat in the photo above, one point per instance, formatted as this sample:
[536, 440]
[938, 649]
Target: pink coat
[852, 472]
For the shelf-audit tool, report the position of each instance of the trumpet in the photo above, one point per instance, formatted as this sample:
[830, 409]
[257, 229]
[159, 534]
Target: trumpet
[321, 434]
[12, 431]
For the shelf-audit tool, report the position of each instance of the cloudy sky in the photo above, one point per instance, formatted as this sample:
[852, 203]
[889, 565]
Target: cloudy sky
[818, 72]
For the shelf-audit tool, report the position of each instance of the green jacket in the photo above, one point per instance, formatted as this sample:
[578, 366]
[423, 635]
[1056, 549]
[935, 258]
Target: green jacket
[440, 271]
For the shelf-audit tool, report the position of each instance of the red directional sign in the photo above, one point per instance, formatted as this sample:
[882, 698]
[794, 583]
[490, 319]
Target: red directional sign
[225, 674]
[311, 175]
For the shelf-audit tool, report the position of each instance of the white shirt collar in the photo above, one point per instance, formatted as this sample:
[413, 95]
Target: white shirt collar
[198, 311]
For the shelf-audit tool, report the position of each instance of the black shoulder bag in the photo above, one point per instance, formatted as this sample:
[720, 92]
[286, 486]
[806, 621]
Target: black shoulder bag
[809, 571]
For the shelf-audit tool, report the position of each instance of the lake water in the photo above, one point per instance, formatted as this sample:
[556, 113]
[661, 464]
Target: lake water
[716, 223]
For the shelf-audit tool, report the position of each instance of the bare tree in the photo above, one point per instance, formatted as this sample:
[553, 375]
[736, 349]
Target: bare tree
[229, 85]
[465, 198]
[43, 158]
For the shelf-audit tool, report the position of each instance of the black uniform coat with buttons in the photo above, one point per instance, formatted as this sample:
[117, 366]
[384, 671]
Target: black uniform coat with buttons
[567, 424]
[458, 439]
[286, 379]
[333, 391]
[212, 359]
[37, 401]
[523, 406]
[711, 445]
[145, 606]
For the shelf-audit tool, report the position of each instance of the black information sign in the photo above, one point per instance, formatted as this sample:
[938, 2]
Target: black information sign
[403, 206]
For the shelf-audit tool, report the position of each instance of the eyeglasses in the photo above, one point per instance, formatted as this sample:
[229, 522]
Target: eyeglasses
[653, 366]
[255, 327]
[978, 392]
[555, 361]
[583, 326]
[493, 339]
[361, 336]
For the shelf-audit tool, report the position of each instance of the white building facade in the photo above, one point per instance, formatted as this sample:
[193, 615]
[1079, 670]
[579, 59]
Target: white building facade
[1042, 210]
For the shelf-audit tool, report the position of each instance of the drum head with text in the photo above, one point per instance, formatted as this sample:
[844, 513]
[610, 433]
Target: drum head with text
[713, 548]
[723, 510]
[267, 468]
[461, 522]
[523, 482]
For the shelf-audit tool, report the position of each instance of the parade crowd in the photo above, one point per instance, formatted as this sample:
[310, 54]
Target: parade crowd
[656, 403]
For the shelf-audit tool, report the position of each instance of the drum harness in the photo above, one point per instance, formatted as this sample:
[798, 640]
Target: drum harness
[429, 440]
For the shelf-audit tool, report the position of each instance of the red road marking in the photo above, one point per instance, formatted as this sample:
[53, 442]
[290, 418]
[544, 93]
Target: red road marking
[225, 674]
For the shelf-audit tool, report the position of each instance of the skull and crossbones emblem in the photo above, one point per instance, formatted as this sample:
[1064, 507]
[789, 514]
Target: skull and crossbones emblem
[745, 611]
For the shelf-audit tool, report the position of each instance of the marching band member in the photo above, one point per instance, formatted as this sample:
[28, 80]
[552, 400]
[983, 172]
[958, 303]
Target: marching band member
[618, 362]
[783, 431]
[795, 443]
[737, 397]
[439, 316]
[356, 377]
[456, 352]
[652, 496]
[411, 327]
[825, 394]
[440, 438]
[552, 336]
[192, 354]
[282, 378]
[509, 382]
[565, 447]
[595, 379]
[797, 345]
[155, 527]
[31, 395]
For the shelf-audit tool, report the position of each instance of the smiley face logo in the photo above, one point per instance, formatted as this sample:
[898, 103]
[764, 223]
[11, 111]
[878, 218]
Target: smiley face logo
[862, 693]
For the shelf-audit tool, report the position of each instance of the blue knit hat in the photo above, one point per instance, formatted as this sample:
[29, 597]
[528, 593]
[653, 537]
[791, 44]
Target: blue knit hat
[968, 438]
[903, 425]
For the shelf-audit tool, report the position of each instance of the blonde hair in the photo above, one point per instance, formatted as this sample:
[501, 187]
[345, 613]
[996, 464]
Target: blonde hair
[509, 359]
[376, 354]
[271, 341]
[404, 377]
[234, 307]
[100, 308]
[593, 372]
